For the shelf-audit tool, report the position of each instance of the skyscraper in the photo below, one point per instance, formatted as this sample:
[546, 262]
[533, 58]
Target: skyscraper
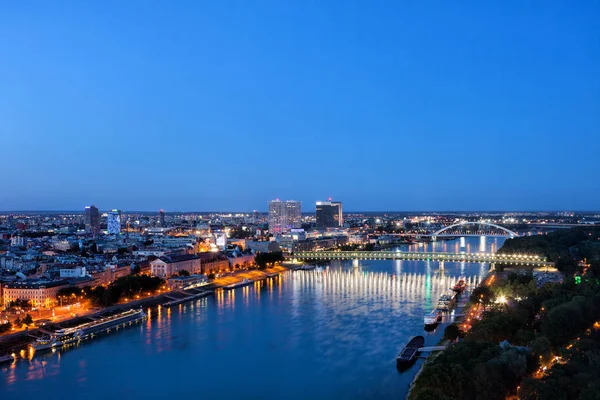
[329, 214]
[113, 222]
[162, 218]
[91, 219]
[284, 215]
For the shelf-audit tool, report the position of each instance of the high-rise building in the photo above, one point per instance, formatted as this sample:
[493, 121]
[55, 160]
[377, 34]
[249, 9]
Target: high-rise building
[162, 218]
[329, 214]
[113, 222]
[91, 219]
[284, 215]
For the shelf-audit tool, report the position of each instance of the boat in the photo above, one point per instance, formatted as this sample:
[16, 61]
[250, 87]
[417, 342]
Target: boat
[446, 301]
[433, 318]
[460, 286]
[410, 352]
[46, 343]
[245, 282]
[6, 358]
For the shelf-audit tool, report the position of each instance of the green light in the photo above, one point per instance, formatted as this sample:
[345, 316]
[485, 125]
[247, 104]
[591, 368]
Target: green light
[577, 280]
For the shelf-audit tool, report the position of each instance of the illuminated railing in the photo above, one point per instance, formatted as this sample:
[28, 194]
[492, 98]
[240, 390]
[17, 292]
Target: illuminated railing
[522, 259]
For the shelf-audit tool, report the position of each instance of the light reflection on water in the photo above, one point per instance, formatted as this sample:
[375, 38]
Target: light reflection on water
[332, 334]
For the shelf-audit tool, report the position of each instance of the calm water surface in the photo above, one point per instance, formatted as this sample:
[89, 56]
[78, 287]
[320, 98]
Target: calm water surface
[306, 334]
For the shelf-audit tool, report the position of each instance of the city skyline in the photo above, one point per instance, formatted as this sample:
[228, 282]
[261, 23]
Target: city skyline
[387, 107]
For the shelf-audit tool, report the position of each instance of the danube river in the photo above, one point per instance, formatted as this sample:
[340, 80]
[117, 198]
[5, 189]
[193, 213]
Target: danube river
[305, 334]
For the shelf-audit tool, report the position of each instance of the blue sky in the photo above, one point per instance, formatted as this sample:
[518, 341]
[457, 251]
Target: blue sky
[143, 105]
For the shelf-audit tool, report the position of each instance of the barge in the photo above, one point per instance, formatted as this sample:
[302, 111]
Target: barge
[410, 352]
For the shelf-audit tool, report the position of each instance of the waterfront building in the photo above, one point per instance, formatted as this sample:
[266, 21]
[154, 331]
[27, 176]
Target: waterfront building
[181, 282]
[91, 220]
[39, 293]
[113, 222]
[171, 265]
[329, 214]
[284, 215]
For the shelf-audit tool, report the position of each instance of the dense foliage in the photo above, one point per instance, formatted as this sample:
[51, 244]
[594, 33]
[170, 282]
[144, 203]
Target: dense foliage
[5, 327]
[561, 246]
[262, 259]
[554, 332]
[126, 287]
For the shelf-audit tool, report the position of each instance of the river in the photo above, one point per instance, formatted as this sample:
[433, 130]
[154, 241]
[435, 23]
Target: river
[305, 334]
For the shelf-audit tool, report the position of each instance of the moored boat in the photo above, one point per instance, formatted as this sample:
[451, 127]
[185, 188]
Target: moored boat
[46, 343]
[410, 352]
[433, 318]
[460, 286]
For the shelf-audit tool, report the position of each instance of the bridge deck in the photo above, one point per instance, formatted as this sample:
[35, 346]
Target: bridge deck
[514, 259]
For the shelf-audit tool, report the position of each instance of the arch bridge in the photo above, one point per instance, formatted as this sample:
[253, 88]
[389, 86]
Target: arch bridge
[480, 228]
[510, 259]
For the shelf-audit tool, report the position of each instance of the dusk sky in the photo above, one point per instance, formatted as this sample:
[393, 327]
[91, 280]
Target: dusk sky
[224, 105]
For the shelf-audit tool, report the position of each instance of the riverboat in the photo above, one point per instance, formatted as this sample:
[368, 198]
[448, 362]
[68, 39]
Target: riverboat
[433, 318]
[446, 301]
[410, 352]
[46, 343]
[460, 286]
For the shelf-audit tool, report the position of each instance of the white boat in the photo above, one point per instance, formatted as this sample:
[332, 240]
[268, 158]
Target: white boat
[433, 318]
[46, 344]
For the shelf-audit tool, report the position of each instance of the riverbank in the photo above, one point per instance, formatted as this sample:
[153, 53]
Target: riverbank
[18, 341]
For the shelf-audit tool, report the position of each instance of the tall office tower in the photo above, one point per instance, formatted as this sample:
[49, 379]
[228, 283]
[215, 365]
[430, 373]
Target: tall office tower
[293, 214]
[113, 222]
[162, 218]
[284, 215]
[91, 219]
[276, 216]
[329, 214]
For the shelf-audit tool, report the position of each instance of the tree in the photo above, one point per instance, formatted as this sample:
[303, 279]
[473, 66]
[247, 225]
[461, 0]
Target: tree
[28, 320]
[541, 347]
[482, 294]
[5, 327]
[136, 270]
[452, 332]
[184, 272]
[211, 276]
[18, 322]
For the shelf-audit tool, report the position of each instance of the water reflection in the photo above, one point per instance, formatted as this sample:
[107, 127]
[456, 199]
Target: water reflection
[339, 329]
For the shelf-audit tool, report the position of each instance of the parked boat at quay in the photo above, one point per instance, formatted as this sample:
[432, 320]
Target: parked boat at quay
[460, 286]
[446, 301]
[410, 352]
[66, 336]
[433, 318]
[245, 282]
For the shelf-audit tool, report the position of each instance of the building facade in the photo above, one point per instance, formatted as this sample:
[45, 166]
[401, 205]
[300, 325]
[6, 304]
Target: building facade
[91, 220]
[113, 222]
[284, 215]
[329, 214]
[40, 294]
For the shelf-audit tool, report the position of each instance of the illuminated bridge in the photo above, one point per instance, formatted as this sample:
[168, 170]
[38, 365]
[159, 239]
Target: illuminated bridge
[474, 229]
[510, 259]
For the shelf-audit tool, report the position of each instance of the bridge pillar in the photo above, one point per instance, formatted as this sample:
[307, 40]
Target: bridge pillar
[355, 263]
[442, 265]
[434, 238]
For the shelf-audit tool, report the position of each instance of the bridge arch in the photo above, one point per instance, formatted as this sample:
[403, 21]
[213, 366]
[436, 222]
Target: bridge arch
[509, 233]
